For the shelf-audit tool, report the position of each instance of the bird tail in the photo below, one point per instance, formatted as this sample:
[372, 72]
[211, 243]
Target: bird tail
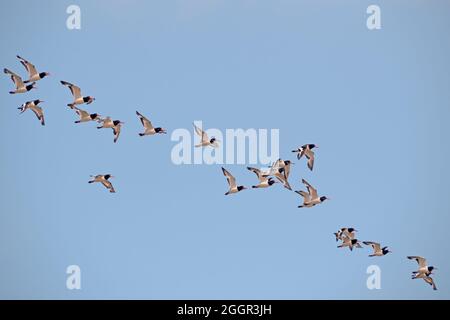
[142, 134]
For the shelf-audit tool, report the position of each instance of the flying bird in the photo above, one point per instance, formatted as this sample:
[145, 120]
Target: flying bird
[425, 278]
[347, 232]
[34, 106]
[378, 251]
[264, 181]
[280, 169]
[86, 116]
[306, 150]
[350, 243]
[205, 140]
[116, 125]
[21, 87]
[233, 187]
[106, 123]
[116, 129]
[33, 74]
[104, 180]
[148, 127]
[423, 267]
[310, 198]
[77, 97]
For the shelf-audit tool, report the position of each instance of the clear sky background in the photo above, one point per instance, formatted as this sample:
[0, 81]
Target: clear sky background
[376, 102]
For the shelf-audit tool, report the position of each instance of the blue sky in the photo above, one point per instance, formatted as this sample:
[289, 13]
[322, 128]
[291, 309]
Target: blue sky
[376, 102]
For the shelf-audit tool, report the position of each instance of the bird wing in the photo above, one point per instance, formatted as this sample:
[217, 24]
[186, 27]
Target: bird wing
[231, 180]
[376, 246]
[310, 156]
[116, 130]
[106, 183]
[282, 178]
[311, 190]
[15, 78]
[38, 112]
[31, 69]
[76, 91]
[204, 137]
[305, 195]
[430, 281]
[421, 261]
[145, 122]
[287, 170]
[258, 174]
[82, 113]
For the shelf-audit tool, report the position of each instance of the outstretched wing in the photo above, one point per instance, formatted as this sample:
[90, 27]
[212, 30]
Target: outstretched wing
[31, 69]
[258, 173]
[76, 91]
[145, 122]
[231, 180]
[15, 78]
[311, 190]
[421, 261]
[203, 136]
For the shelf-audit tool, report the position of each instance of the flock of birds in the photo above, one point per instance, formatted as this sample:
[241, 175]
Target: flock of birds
[279, 170]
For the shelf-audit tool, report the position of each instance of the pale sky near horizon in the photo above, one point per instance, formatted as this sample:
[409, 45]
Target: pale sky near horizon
[376, 102]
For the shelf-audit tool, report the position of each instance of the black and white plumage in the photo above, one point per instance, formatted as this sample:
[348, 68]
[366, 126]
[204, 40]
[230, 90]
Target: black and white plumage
[21, 87]
[280, 169]
[116, 125]
[264, 181]
[34, 106]
[345, 232]
[116, 129]
[310, 198]
[76, 93]
[104, 180]
[86, 116]
[233, 187]
[149, 129]
[423, 267]
[306, 150]
[205, 141]
[378, 251]
[350, 243]
[33, 74]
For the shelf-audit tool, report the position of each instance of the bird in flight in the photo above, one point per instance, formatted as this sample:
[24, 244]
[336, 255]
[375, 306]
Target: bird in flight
[148, 127]
[350, 243]
[264, 181]
[306, 150]
[116, 125]
[86, 116]
[310, 198]
[205, 140]
[21, 87]
[378, 251]
[280, 169]
[345, 232]
[104, 180]
[33, 74]
[424, 272]
[233, 187]
[34, 106]
[77, 97]
[423, 267]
